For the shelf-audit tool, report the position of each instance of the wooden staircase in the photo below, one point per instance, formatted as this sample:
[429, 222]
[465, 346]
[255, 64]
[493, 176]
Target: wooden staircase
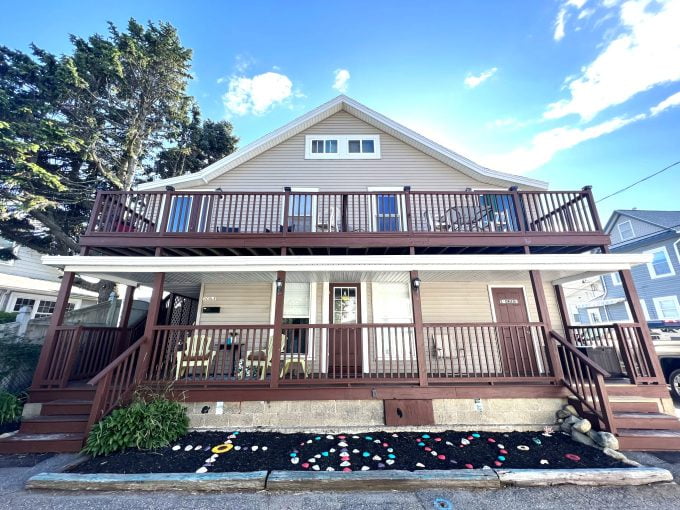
[59, 428]
[642, 427]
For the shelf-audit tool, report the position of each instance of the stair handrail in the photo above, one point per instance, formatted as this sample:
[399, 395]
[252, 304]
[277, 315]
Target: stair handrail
[114, 383]
[585, 380]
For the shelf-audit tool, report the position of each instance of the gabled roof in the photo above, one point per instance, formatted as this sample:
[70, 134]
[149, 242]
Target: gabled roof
[344, 103]
[665, 220]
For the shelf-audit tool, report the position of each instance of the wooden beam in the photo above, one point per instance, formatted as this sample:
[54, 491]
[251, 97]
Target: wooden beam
[124, 323]
[544, 317]
[56, 320]
[278, 329]
[151, 321]
[421, 352]
[562, 305]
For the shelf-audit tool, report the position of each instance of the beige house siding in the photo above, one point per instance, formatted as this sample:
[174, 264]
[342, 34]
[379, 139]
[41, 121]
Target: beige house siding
[400, 165]
[242, 303]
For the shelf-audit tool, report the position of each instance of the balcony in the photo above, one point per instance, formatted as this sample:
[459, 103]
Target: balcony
[317, 223]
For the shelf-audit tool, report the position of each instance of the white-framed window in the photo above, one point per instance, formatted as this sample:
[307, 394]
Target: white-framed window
[388, 209]
[11, 248]
[660, 265]
[667, 307]
[676, 245]
[38, 307]
[616, 278]
[626, 230]
[644, 309]
[342, 146]
[594, 316]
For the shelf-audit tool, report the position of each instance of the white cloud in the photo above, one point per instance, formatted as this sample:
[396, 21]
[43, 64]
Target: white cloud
[341, 82]
[258, 94]
[546, 144]
[563, 15]
[559, 24]
[669, 102]
[644, 55]
[472, 81]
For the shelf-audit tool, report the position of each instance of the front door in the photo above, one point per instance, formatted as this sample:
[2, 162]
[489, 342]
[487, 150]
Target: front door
[515, 343]
[344, 343]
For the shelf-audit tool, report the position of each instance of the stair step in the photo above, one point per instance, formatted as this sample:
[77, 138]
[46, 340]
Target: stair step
[54, 424]
[656, 421]
[51, 394]
[66, 407]
[42, 443]
[635, 407]
[649, 440]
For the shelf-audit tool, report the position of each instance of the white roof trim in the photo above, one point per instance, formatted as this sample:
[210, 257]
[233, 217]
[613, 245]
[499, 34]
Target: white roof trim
[26, 284]
[364, 113]
[599, 263]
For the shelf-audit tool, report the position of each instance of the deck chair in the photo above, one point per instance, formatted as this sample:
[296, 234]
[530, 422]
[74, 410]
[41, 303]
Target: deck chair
[197, 353]
[439, 225]
[262, 360]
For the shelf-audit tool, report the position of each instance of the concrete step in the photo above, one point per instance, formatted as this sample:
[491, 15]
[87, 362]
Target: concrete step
[655, 421]
[42, 443]
[649, 440]
[54, 424]
[65, 407]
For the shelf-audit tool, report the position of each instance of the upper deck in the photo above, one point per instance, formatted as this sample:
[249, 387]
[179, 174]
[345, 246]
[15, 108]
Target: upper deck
[339, 222]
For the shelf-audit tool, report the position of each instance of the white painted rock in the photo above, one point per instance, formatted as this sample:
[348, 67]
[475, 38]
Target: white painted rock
[345, 463]
[390, 450]
[317, 456]
[176, 447]
[198, 447]
[377, 457]
[237, 448]
[544, 461]
[330, 469]
[316, 467]
[420, 465]
[332, 450]
[294, 460]
[365, 468]
[464, 441]
[389, 462]
[355, 451]
[202, 470]
[329, 436]
[265, 448]
[255, 448]
[342, 444]
[433, 452]
[312, 460]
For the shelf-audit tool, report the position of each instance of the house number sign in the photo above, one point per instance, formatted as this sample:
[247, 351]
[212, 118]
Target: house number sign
[509, 301]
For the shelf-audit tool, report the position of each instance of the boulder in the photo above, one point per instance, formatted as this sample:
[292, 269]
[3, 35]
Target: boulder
[582, 438]
[583, 426]
[561, 414]
[607, 440]
[565, 426]
[615, 454]
[570, 409]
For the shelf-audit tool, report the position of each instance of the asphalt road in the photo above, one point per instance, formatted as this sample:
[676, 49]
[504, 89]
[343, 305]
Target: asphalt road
[666, 496]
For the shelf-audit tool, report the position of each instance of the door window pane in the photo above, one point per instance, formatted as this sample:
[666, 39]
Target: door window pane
[179, 214]
[300, 213]
[387, 213]
[344, 305]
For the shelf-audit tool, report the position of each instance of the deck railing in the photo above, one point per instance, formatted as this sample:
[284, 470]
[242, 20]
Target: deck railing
[624, 343]
[218, 213]
[312, 354]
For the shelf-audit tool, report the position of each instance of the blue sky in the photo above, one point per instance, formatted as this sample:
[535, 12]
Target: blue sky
[574, 92]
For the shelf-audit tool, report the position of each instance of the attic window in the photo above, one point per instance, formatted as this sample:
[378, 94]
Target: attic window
[626, 230]
[342, 147]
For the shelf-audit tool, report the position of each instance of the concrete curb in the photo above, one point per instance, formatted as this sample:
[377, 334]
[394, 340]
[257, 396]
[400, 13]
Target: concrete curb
[357, 480]
[224, 482]
[382, 480]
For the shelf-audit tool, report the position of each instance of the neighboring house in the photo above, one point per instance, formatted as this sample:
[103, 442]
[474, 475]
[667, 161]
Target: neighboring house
[656, 233]
[344, 271]
[26, 281]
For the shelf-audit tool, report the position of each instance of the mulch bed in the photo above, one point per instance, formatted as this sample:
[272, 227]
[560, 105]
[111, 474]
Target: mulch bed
[9, 427]
[265, 451]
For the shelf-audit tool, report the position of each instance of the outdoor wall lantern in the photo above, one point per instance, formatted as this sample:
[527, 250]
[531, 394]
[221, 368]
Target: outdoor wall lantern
[416, 283]
[169, 188]
[279, 285]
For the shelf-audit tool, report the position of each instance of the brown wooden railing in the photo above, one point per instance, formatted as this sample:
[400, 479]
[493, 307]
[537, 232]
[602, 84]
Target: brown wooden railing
[625, 342]
[130, 213]
[115, 384]
[486, 352]
[585, 379]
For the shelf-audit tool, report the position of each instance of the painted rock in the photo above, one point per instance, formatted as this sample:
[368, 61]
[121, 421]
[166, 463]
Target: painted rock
[237, 448]
[486, 467]
[501, 458]
[389, 462]
[390, 450]
[470, 438]
[523, 447]
[427, 449]
[544, 461]
[377, 441]
[202, 470]
[475, 435]
[469, 466]
[441, 457]
[464, 442]
[255, 448]
[491, 440]
[176, 447]
[329, 436]
[377, 458]
[497, 463]
[369, 438]
[330, 468]
[309, 441]
[342, 437]
[346, 470]
[355, 437]
[355, 451]
[500, 446]
[294, 460]
[231, 436]
[420, 465]
[345, 463]
[391, 456]
[207, 448]
[316, 467]
[365, 454]
[536, 440]
[381, 465]
[425, 436]
[433, 453]
[325, 454]
[332, 450]
[317, 456]
[365, 468]
[449, 443]
[317, 438]
[293, 454]
[385, 445]
[342, 444]
[421, 444]
[236, 433]
[395, 435]
[311, 460]
[199, 447]
[573, 456]
[305, 465]
[265, 448]
[503, 452]
[437, 439]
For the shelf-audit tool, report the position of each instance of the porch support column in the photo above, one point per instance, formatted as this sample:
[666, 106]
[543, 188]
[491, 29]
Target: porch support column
[421, 353]
[278, 329]
[564, 309]
[124, 324]
[544, 317]
[56, 320]
[151, 321]
[638, 317]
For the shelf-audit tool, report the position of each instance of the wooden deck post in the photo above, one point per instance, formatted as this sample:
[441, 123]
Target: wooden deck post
[641, 324]
[151, 322]
[124, 323]
[544, 317]
[278, 329]
[564, 309]
[421, 352]
[57, 320]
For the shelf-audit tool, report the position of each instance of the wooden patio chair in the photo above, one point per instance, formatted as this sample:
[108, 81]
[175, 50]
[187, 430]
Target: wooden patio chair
[439, 225]
[262, 360]
[197, 353]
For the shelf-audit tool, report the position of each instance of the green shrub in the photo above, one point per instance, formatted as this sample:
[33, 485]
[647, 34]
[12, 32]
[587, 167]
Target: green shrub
[10, 407]
[144, 424]
[6, 317]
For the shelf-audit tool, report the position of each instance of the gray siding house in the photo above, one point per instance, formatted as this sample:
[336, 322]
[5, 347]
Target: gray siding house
[658, 283]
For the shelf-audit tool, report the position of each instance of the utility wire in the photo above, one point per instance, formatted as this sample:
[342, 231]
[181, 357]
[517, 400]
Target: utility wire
[638, 182]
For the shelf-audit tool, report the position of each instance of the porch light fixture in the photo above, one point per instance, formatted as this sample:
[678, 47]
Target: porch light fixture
[416, 283]
[279, 285]
[169, 188]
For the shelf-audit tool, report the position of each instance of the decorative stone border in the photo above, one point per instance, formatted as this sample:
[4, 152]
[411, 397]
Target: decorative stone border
[356, 480]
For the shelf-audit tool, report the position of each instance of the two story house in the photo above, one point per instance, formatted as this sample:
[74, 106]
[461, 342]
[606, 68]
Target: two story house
[344, 272]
